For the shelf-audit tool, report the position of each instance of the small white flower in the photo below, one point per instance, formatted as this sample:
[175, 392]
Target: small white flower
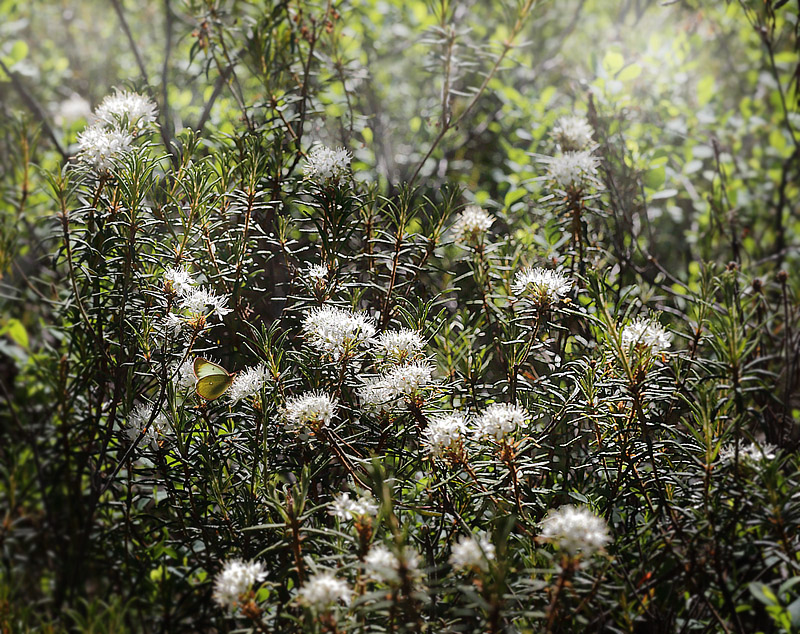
[236, 578]
[445, 435]
[178, 281]
[126, 109]
[499, 420]
[317, 273]
[184, 378]
[398, 346]
[748, 453]
[472, 224]
[648, 334]
[323, 590]
[337, 332]
[325, 164]
[375, 394]
[313, 410]
[248, 383]
[542, 286]
[138, 420]
[572, 171]
[472, 553]
[347, 509]
[575, 528]
[102, 149]
[408, 380]
[383, 565]
[573, 133]
[199, 300]
[172, 324]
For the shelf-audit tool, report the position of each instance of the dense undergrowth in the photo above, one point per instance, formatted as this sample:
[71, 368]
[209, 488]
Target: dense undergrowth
[400, 317]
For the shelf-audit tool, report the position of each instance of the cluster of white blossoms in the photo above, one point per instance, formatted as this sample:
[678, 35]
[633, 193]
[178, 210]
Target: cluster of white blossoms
[393, 390]
[116, 122]
[178, 281]
[139, 423]
[317, 273]
[499, 420]
[399, 346]
[575, 529]
[575, 168]
[751, 453]
[324, 164]
[444, 435]
[183, 377]
[248, 383]
[573, 133]
[383, 565]
[337, 332]
[127, 110]
[236, 579]
[197, 304]
[324, 590]
[472, 552]
[346, 508]
[543, 287]
[572, 171]
[646, 333]
[101, 148]
[310, 411]
[202, 301]
[471, 225]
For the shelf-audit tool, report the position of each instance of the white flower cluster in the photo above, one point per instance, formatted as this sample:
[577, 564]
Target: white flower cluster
[572, 171]
[196, 303]
[472, 224]
[648, 334]
[444, 435]
[178, 281]
[310, 411]
[337, 332]
[748, 453]
[138, 420]
[399, 346]
[324, 590]
[248, 383]
[543, 287]
[102, 148]
[324, 164]
[183, 377]
[472, 552]
[500, 420]
[127, 110]
[115, 124]
[236, 579]
[392, 390]
[317, 273]
[383, 565]
[574, 529]
[347, 509]
[572, 133]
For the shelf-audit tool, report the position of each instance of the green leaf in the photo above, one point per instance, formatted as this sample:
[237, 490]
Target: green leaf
[763, 593]
[613, 62]
[654, 179]
[16, 331]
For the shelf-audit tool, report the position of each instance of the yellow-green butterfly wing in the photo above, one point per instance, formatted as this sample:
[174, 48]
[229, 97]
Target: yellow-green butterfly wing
[212, 380]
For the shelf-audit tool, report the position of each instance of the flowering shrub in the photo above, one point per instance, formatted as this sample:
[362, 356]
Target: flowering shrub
[270, 375]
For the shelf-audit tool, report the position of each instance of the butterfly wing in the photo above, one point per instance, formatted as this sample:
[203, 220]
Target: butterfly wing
[212, 387]
[212, 380]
